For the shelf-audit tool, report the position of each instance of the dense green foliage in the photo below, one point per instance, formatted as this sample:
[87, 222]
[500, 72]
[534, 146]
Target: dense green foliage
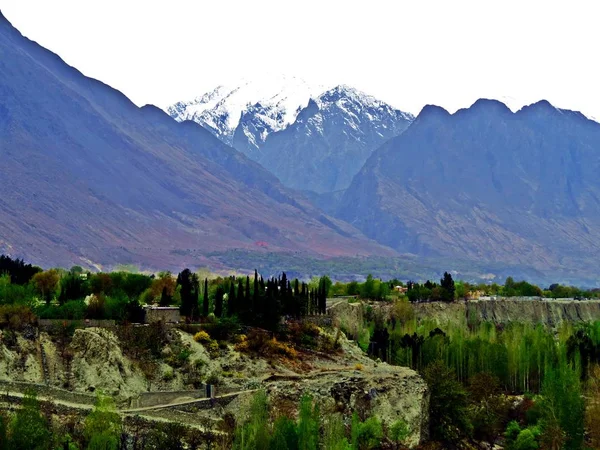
[29, 428]
[471, 368]
[312, 430]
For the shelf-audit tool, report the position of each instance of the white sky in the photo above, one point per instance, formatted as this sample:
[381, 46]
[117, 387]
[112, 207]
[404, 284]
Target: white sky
[408, 53]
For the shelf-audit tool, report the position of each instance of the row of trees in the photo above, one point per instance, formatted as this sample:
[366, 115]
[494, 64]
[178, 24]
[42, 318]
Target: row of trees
[257, 302]
[471, 367]
[313, 430]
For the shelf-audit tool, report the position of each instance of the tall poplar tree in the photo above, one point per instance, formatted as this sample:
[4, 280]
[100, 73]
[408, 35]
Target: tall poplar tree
[205, 302]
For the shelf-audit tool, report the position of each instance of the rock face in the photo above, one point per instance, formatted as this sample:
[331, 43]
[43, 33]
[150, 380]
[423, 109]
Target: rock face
[388, 392]
[486, 184]
[93, 360]
[331, 139]
[547, 312]
[19, 359]
[99, 363]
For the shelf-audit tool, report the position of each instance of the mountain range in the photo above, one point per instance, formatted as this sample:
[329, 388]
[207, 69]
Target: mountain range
[486, 184]
[289, 172]
[89, 178]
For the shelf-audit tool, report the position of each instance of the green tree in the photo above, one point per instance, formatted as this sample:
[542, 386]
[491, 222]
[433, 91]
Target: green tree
[308, 424]
[285, 434]
[366, 435]
[219, 301]
[254, 433]
[448, 411]
[334, 434]
[29, 429]
[563, 404]
[3, 433]
[448, 288]
[205, 300]
[188, 283]
[103, 426]
[368, 288]
[46, 284]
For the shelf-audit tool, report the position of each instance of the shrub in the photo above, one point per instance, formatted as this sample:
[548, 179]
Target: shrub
[399, 431]
[224, 328]
[213, 349]
[16, 317]
[168, 375]
[259, 342]
[29, 428]
[202, 337]
[274, 347]
[213, 378]
[368, 434]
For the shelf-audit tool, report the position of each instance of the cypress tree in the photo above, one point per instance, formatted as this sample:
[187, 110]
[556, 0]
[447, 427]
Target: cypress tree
[247, 297]
[195, 297]
[219, 301]
[255, 301]
[185, 281]
[240, 295]
[232, 307]
[205, 302]
[165, 298]
[447, 284]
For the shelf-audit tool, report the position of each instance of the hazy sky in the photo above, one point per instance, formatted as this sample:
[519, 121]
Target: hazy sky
[408, 53]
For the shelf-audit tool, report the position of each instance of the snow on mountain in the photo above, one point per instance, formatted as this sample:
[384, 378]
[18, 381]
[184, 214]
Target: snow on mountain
[274, 103]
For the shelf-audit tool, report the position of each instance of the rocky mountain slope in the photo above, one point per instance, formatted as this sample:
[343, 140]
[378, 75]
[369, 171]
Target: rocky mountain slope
[487, 184]
[331, 139]
[89, 178]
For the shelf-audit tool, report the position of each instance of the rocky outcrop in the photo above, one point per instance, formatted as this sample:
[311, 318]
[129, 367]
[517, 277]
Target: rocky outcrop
[19, 358]
[350, 316]
[99, 363]
[388, 392]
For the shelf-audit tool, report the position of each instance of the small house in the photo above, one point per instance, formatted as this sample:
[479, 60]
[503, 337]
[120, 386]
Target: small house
[164, 314]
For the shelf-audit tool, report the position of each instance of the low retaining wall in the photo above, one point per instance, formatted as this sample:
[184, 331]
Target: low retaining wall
[48, 391]
[49, 324]
[147, 399]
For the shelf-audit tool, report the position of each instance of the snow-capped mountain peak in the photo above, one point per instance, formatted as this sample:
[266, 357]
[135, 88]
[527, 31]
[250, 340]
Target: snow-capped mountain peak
[346, 97]
[221, 110]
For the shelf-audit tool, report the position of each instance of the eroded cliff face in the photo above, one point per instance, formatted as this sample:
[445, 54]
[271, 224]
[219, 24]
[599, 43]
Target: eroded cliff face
[548, 312]
[94, 360]
[350, 316]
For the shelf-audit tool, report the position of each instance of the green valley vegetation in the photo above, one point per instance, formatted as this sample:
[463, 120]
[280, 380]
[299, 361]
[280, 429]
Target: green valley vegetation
[526, 385]
[521, 384]
[30, 428]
